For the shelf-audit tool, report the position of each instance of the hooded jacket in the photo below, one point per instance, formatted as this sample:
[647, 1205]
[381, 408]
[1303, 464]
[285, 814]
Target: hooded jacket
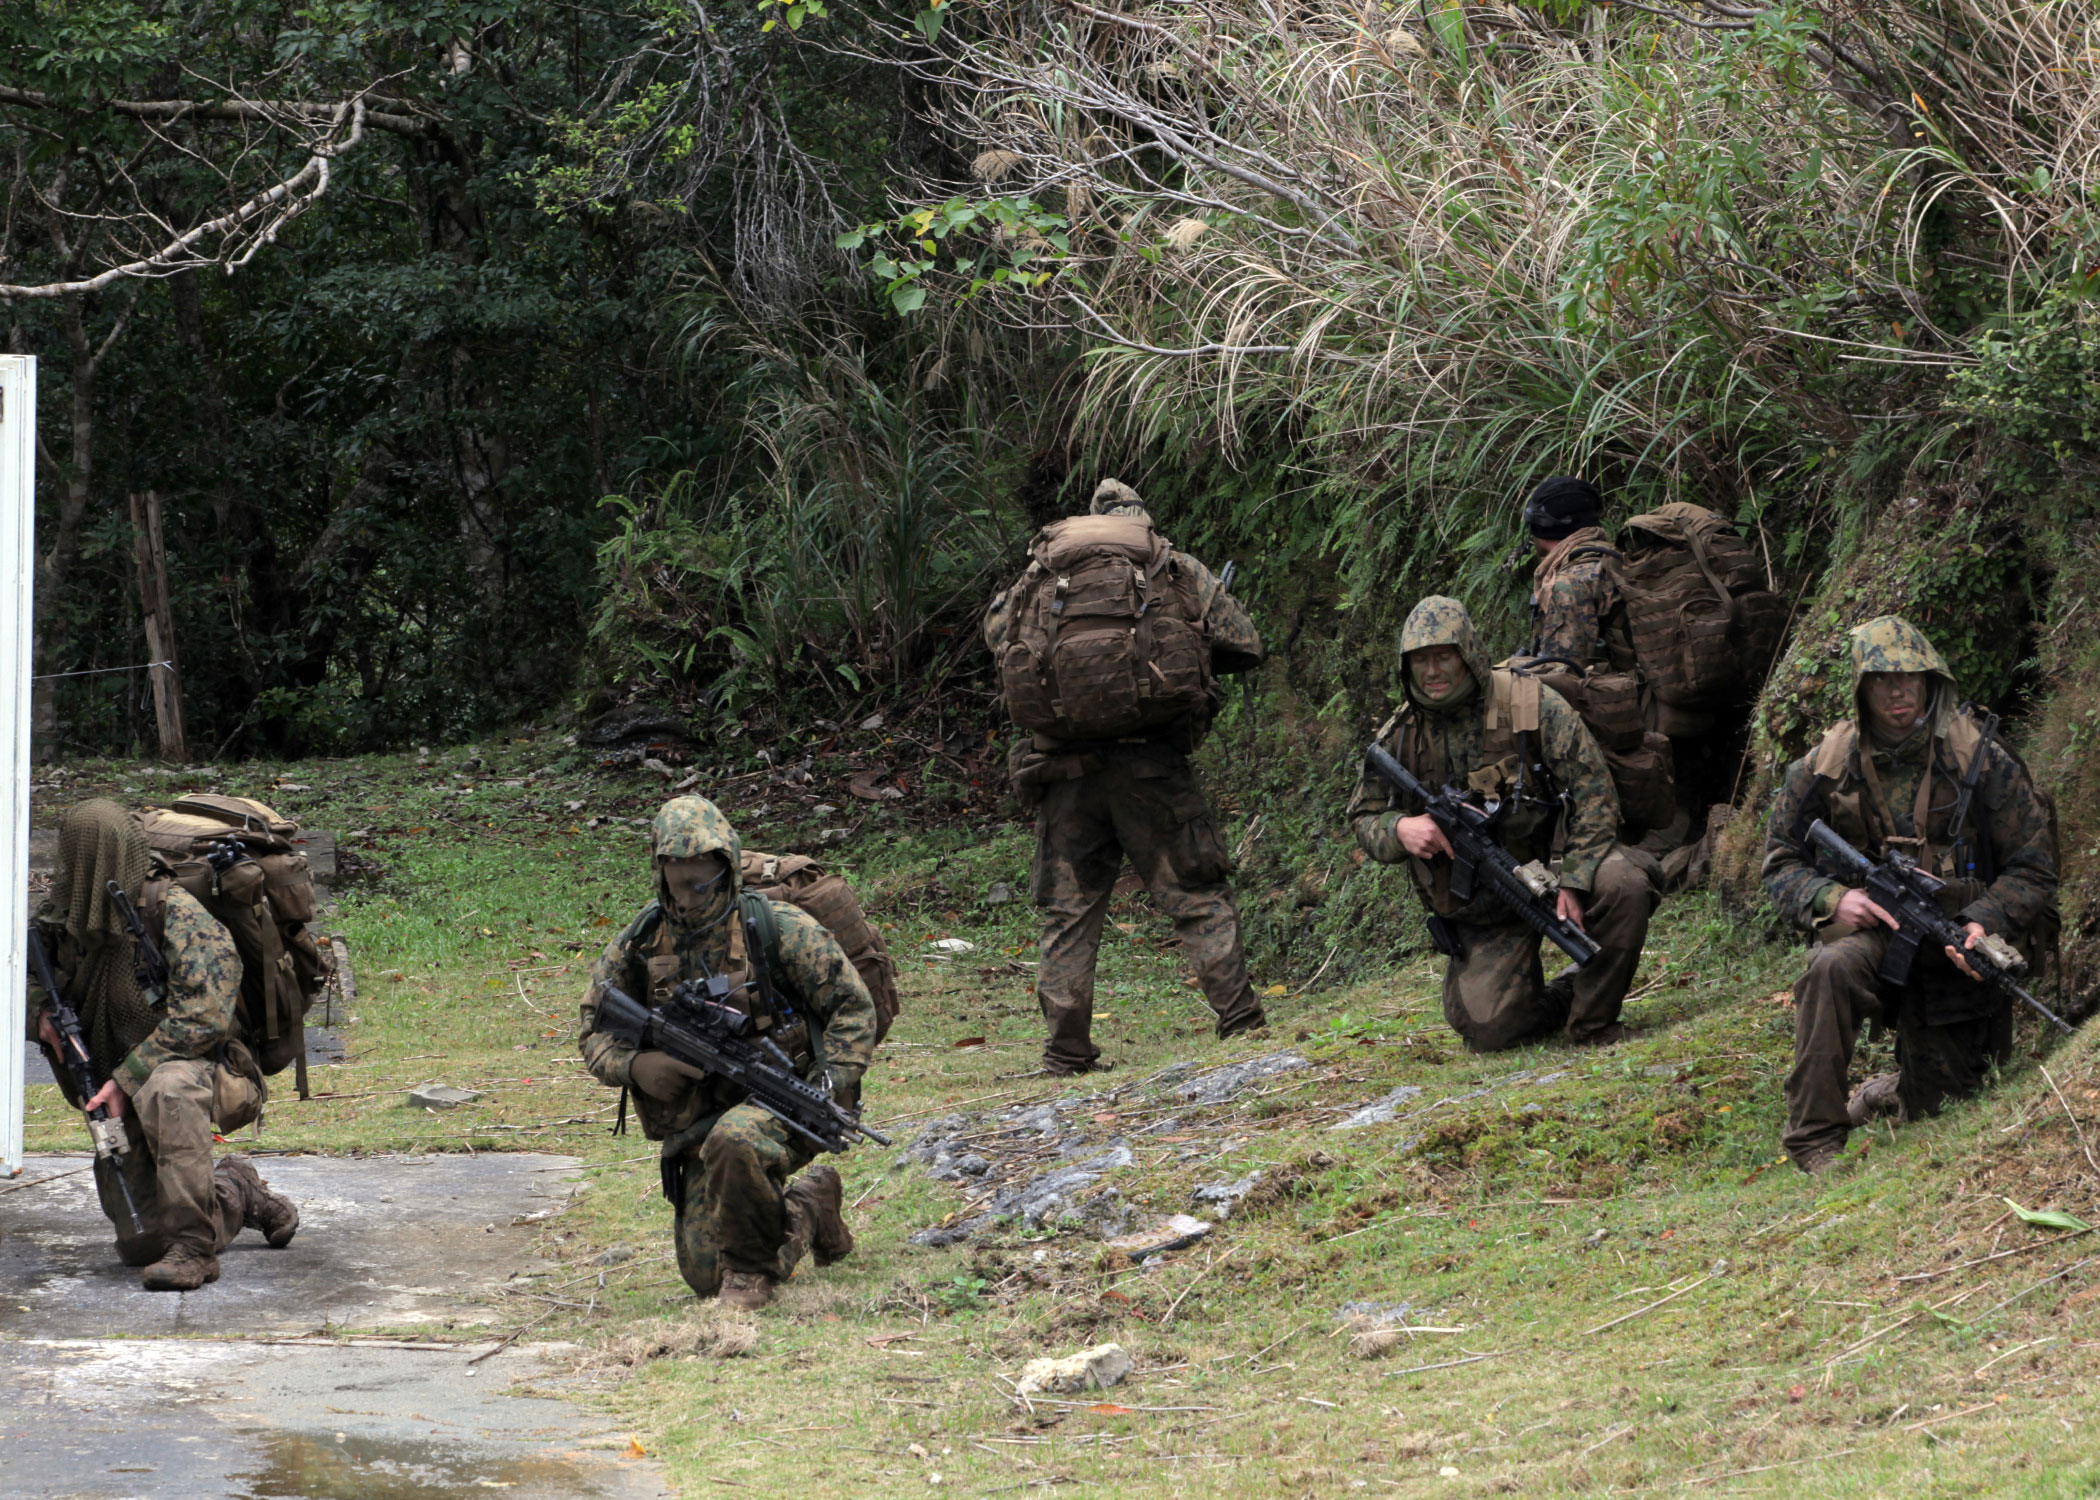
[1881, 796]
[825, 1017]
[1453, 744]
[93, 955]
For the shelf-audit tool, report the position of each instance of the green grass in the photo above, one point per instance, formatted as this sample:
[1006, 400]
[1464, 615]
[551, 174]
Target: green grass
[1530, 1216]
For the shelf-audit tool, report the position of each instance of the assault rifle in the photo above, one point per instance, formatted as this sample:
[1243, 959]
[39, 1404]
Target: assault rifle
[152, 967]
[698, 1029]
[1907, 893]
[1479, 860]
[104, 1128]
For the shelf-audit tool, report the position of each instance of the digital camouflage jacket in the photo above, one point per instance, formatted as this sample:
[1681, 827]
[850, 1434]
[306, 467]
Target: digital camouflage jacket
[2002, 872]
[1455, 745]
[1577, 613]
[201, 1008]
[832, 1020]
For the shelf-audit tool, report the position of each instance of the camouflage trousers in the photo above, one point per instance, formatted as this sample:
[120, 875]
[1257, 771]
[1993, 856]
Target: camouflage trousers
[1841, 990]
[731, 1204]
[181, 1198]
[1497, 996]
[1148, 808]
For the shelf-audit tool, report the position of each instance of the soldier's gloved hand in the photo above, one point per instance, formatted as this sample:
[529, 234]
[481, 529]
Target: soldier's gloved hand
[661, 1076]
[845, 1087]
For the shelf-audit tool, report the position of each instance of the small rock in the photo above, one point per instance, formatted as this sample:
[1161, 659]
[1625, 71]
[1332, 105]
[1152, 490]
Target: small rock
[824, 809]
[834, 835]
[441, 1096]
[618, 1255]
[1666, 1070]
[1000, 894]
[1090, 1369]
[1596, 1238]
[871, 723]
[1177, 1233]
[293, 786]
[651, 763]
[1379, 1111]
[1219, 1199]
[1721, 1267]
[952, 946]
[572, 807]
[1221, 1084]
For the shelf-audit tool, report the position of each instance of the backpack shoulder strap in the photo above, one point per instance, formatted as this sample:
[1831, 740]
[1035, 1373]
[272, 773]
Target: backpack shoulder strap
[758, 911]
[1513, 701]
[1833, 754]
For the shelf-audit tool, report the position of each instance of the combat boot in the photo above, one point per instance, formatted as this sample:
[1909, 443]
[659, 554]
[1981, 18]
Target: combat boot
[1877, 1096]
[272, 1213]
[822, 1196]
[746, 1291]
[183, 1269]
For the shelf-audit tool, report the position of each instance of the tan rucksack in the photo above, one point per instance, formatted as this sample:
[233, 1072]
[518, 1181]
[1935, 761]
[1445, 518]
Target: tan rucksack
[1105, 634]
[236, 856]
[1702, 619]
[1643, 767]
[800, 881]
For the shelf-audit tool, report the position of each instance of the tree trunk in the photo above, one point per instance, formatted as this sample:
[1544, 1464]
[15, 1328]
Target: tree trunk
[55, 564]
[149, 549]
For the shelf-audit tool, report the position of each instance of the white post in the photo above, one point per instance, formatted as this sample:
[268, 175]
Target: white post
[17, 569]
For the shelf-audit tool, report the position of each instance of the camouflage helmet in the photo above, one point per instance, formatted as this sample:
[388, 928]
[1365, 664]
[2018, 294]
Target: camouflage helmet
[1443, 621]
[1892, 644]
[687, 827]
[1112, 495]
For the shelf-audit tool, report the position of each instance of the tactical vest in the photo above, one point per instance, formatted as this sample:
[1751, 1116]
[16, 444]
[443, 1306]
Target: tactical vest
[1511, 769]
[1858, 811]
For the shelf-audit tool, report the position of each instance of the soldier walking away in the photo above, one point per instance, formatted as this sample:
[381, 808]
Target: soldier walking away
[743, 1219]
[1893, 778]
[1109, 649]
[1505, 737]
[169, 1059]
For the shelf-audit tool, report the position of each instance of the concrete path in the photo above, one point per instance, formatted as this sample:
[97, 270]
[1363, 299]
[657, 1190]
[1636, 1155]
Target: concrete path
[240, 1390]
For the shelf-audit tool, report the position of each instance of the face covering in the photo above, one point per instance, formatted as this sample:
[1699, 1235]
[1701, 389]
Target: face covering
[696, 890]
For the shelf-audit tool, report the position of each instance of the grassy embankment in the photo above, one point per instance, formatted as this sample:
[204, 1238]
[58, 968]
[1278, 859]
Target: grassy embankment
[1565, 1233]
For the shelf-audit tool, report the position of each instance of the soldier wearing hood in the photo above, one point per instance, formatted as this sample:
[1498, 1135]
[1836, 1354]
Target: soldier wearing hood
[161, 1054]
[1098, 802]
[1890, 778]
[741, 1224]
[1509, 739]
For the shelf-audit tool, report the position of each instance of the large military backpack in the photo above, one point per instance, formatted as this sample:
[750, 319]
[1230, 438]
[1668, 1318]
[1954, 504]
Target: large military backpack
[1105, 633]
[800, 881]
[236, 856]
[1642, 764]
[1703, 621]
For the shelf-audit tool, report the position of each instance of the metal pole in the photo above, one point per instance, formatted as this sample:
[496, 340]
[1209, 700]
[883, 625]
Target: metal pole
[17, 569]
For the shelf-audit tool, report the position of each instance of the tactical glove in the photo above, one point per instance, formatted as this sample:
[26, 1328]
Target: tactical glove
[661, 1076]
[845, 1088]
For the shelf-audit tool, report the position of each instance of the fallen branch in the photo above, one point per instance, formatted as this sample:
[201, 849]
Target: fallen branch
[1651, 1307]
[1470, 1359]
[40, 1181]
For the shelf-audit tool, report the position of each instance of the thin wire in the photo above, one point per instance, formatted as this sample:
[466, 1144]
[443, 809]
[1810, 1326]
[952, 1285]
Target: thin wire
[97, 671]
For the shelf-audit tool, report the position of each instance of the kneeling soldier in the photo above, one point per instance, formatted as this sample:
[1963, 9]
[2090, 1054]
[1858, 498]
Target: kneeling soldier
[1510, 739]
[741, 1225]
[163, 1056]
[1922, 779]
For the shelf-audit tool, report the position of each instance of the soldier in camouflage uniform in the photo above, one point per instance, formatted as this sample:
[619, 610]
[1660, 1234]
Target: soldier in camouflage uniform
[161, 1055]
[1890, 778]
[1096, 803]
[1456, 729]
[741, 1225]
[1577, 615]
